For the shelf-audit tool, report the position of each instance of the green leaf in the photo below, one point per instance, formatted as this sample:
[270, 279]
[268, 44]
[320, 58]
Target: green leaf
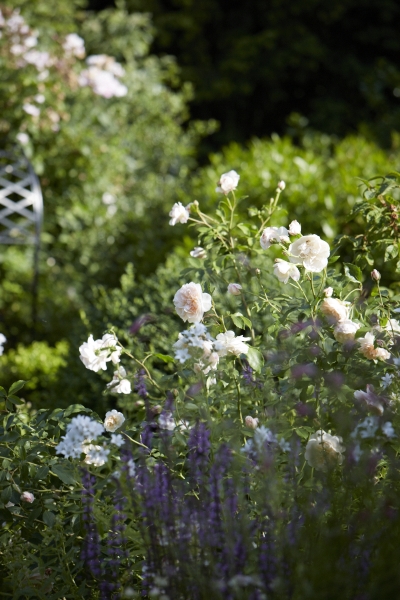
[42, 472]
[255, 359]
[15, 400]
[391, 252]
[65, 472]
[49, 518]
[240, 321]
[2, 391]
[6, 494]
[353, 273]
[74, 408]
[165, 357]
[16, 386]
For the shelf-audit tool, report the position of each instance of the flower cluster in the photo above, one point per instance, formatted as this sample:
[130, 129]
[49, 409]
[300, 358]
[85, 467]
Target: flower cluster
[197, 343]
[103, 75]
[81, 430]
[307, 251]
[368, 349]
[119, 384]
[337, 313]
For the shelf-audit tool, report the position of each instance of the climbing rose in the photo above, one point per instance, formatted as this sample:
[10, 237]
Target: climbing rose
[272, 235]
[345, 331]
[335, 310]
[178, 214]
[283, 270]
[27, 497]
[113, 420]
[367, 348]
[311, 252]
[324, 450]
[234, 289]
[295, 228]
[191, 303]
[228, 182]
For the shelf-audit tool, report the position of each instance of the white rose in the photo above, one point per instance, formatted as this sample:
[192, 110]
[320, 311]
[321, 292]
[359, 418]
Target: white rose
[328, 292]
[295, 228]
[228, 343]
[113, 420]
[335, 310]
[198, 252]
[93, 355]
[251, 422]
[95, 455]
[281, 185]
[367, 348]
[283, 270]
[311, 252]
[191, 303]
[228, 182]
[178, 214]
[272, 235]
[27, 497]
[345, 331]
[324, 450]
[234, 289]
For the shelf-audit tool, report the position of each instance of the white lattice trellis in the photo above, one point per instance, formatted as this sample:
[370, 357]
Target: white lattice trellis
[21, 201]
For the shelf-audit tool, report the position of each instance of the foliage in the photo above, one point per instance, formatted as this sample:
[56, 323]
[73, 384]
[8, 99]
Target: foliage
[253, 65]
[261, 460]
[108, 166]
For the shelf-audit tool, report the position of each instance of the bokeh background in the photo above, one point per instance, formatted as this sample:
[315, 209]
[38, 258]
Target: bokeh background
[304, 91]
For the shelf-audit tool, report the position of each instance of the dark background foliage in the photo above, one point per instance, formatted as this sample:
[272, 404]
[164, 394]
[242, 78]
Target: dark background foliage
[254, 63]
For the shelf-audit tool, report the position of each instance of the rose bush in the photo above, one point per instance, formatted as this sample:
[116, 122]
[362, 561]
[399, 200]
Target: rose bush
[272, 416]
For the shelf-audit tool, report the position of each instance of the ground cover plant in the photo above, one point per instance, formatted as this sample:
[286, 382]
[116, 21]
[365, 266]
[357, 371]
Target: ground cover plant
[252, 451]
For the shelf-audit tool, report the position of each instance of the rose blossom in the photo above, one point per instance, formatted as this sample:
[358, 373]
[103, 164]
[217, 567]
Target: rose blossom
[283, 270]
[251, 422]
[191, 303]
[324, 450]
[295, 228]
[95, 353]
[113, 420]
[328, 292]
[281, 185]
[272, 235]
[228, 343]
[198, 252]
[27, 497]
[372, 400]
[234, 289]
[228, 182]
[367, 348]
[335, 310]
[311, 252]
[375, 275]
[345, 331]
[178, 214]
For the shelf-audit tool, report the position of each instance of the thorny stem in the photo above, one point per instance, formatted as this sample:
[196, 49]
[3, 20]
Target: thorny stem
[142, 365]
[296, 284]
[135, 441]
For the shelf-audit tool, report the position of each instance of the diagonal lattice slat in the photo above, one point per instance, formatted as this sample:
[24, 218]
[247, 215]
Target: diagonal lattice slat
[21, 202]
